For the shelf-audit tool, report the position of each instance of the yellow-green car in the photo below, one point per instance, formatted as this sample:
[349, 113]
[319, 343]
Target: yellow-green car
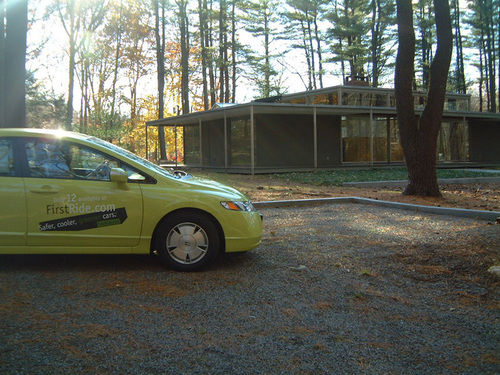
[71, 193]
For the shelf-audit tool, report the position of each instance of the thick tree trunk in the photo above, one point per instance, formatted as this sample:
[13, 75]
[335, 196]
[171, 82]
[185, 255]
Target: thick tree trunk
[2, 65]
[419, 136]
[420, 154]
[13, 58]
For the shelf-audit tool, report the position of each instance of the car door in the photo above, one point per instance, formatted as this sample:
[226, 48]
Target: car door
[72, 202]
[13, 200]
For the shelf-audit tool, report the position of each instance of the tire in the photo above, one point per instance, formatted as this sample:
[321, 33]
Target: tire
[187, 241]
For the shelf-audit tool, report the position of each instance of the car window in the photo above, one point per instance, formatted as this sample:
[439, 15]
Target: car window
[129, 155]
[61, 159]
[6, 158]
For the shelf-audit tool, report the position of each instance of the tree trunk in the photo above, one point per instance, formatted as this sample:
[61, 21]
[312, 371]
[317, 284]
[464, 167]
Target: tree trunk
[490, 51]
[160, 56]
[118, 54]
[2, 65]
[318, 50]
[419, 136]
[184, 35]
[71, 69]
[460, 79]
[374, 41]
[235, 48]
[13, 59]
[203, 26]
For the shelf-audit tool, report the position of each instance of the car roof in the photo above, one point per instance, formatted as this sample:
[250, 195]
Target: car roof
[53, 133]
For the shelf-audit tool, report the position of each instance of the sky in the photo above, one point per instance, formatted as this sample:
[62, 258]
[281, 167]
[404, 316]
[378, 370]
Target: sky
[51, 66]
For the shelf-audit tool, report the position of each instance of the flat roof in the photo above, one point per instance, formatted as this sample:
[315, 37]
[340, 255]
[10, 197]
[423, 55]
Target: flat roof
[275, 105]
[241, 110]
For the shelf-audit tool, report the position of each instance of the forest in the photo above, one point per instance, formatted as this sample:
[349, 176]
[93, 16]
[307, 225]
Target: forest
[105, 67]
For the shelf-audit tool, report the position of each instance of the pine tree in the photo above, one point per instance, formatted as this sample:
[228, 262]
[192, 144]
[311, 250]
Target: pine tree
[260, 17]
[349, 35]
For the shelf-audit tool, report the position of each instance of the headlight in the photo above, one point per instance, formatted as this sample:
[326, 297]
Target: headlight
[238, 206]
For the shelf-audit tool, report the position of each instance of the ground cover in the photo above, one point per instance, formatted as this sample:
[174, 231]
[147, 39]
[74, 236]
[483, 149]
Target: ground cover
[332, 289]
[476, 196]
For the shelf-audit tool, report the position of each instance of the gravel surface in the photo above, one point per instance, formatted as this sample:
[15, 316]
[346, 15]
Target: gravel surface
[333, 289]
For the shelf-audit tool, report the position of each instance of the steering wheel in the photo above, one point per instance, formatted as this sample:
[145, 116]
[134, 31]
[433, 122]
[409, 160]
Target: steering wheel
[179, 173]
[101, 172]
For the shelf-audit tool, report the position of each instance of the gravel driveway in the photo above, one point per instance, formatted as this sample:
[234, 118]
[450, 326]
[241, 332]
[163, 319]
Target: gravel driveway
[333, 289]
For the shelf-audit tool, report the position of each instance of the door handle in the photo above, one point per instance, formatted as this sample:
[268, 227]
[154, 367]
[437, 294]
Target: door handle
[45, 189]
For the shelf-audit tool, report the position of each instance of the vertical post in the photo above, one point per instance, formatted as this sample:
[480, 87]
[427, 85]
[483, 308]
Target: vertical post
[252, 141]
[388, 127]
[201, 142]
[341, 148]
[466, 128]
[176, 151]
[372, 137]
[147, 143]
[315, 131]
[225, 142]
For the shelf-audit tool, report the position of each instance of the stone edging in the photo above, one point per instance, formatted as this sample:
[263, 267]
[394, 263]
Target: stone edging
[476, 214]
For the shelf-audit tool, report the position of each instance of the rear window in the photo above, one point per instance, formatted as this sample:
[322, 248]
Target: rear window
[6, 158]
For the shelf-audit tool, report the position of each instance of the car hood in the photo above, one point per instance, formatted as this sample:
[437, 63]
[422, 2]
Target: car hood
[210, 186]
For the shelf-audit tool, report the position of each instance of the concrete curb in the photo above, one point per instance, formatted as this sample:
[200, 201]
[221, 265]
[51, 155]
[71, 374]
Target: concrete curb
[441, 181]
[475, 214]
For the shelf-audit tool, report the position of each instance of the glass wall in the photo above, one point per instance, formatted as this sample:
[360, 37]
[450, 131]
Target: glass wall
[361, 140]
[453, 141]
[356, 138]
[454, 104]
[380, 151]
[325, 99]
[240, 149]
[396, 148]
[192, 145]
[366, 99]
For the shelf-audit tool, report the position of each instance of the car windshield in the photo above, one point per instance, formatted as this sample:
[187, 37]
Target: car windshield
[133, 157]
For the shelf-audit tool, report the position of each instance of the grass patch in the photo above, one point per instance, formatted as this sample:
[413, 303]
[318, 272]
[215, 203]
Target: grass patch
[341, 176]
[331, 178]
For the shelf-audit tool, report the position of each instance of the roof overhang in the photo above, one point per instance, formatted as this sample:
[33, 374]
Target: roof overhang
[257, 108]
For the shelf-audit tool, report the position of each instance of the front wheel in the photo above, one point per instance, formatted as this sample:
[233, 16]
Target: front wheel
[187, 241]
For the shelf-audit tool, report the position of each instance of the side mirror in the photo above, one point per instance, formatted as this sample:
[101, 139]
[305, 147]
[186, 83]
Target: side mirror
[118, 175]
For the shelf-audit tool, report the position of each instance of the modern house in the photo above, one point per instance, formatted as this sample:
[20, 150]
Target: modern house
[335, 127]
